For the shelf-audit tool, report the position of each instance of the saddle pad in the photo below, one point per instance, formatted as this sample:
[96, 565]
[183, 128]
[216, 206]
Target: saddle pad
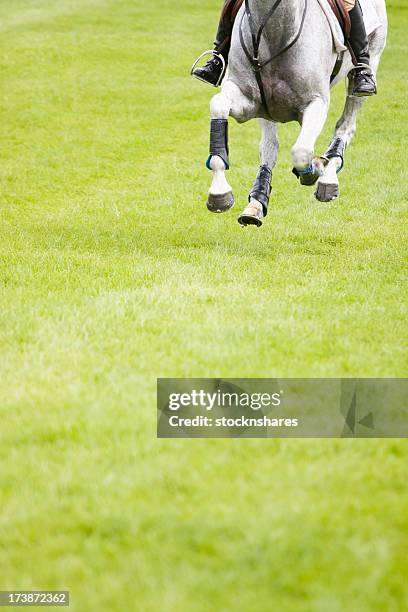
[371, 20]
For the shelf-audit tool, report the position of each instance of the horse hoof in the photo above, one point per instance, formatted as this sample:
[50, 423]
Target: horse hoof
[252, 215]
[309, 179]
[327, 192]
[219, 203]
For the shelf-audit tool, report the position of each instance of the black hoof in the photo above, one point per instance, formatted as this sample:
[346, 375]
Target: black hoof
[309, 179]
[327, 192]
[220, 203]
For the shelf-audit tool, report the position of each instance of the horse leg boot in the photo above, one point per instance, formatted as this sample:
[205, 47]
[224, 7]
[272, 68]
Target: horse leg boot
[214, 70]
[220, 198]
[258, 200]
[314, 117]
[328, 185]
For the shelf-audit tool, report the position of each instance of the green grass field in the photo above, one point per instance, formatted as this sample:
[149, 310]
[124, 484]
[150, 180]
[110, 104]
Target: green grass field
[113, 273]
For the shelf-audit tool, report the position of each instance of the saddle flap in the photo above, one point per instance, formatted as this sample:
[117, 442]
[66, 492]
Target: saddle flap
[339, 9]
[340, 29]
[337, 33]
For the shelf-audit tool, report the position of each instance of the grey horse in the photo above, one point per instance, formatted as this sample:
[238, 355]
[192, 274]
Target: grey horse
[290, 80]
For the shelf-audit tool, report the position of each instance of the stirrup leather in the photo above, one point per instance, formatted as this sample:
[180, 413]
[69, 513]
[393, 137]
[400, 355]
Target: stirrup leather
[198, 60]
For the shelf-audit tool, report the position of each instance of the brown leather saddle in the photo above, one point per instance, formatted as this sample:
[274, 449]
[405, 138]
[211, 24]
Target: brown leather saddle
[342, 15]
[339, 9]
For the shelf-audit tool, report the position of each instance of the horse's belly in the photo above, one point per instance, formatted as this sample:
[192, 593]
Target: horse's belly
[280, 115]
[284, 102]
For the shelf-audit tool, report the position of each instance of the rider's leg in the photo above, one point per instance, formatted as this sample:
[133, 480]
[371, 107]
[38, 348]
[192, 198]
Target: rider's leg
[363, 81]
[212, 71]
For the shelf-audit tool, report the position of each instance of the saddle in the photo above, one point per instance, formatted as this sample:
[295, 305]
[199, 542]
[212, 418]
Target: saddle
[343, 17]
[339, 9]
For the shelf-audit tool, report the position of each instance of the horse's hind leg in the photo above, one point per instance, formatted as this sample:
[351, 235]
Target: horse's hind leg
[328, 185]
[258, 200]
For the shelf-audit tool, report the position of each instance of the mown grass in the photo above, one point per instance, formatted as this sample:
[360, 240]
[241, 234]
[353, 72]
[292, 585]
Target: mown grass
[113, 273]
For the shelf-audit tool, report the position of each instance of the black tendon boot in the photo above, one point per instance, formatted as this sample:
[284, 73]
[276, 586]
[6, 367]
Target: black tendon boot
[363, 81]
[214, 70]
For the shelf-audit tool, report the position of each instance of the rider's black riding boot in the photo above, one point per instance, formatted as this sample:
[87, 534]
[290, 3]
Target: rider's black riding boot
[363, 81]
[213, 71]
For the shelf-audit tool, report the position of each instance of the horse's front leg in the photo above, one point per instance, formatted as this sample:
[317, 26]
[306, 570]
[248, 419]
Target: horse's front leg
[328, 185]
[220, 197]
[258, 200]
[306, 167]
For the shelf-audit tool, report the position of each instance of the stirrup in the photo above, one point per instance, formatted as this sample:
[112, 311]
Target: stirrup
[351, 76]
[198, 60]
[364, 67]
[361, 65]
